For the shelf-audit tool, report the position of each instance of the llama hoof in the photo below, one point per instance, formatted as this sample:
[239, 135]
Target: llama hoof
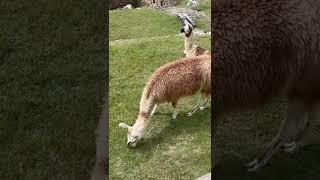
[202, 108]
[174, 116]
[254, 166]
[290, 147]
[190, 114]
[252, 163]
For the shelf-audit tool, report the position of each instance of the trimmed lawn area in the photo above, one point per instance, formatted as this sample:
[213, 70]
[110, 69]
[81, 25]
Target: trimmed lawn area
[173, 149]
[205, 24]
[141, 23]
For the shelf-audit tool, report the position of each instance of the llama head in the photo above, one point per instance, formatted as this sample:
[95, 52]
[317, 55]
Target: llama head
[187, 29]
[135, 133]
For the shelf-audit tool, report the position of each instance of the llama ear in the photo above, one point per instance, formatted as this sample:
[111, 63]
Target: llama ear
[124, 125]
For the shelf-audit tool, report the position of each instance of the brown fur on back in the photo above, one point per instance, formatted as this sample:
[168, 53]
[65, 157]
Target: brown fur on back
[200, 51]
[181, 78]
[262, 49]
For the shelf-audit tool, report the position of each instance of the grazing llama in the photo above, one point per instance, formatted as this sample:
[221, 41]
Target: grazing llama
[184, 77]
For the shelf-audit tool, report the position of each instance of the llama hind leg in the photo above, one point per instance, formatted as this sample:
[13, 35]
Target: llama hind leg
[196, 107]
[153, 110]
[289, 131]
[301, 139]
[175, 111]
[204, 104]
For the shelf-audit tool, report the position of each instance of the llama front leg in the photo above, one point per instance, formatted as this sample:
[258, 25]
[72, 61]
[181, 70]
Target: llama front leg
[196, 107]
[291, 128]
[302, 138]
[204, 105]
[154, 110]
[175, 111]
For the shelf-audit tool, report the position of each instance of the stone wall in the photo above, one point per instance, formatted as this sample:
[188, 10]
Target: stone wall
[114, 4]
[160, 3]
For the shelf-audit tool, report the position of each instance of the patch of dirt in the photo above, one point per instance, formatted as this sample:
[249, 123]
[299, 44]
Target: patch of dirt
[200, 32]
[190, 12]
[197, 32]
[136, 40]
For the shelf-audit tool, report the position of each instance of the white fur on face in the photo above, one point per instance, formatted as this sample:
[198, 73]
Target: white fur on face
[136, 133]
[186, 28]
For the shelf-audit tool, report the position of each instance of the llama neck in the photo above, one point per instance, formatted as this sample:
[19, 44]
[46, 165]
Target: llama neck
[146, 107]
[142, 121]
[188, 44]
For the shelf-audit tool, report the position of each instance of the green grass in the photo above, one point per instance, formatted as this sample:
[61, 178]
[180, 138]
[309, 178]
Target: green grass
[52, 74]
[205, 23]
[182, 3]
[241, 136]
[138, 23]
[205, 6]
[173, 149]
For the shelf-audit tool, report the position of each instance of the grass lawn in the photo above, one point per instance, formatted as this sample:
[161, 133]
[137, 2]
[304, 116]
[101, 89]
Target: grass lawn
[240, 136]
[204, 23]
[138, 23]
[173, 149]
[52, 74]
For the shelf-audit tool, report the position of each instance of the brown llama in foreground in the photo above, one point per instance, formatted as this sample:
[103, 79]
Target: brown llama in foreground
[184, 77]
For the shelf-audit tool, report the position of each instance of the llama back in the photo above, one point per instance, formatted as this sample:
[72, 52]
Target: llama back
[262, 52]
[177, 79]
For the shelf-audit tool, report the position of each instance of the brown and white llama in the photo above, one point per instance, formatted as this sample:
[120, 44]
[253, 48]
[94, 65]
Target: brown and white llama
[184, 77]
[191, 49]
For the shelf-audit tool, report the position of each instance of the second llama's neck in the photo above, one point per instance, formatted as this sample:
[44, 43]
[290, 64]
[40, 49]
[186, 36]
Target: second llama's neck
[188, 42]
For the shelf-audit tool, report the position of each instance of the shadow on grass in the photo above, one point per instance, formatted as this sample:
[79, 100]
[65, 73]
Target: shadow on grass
[199, 121]
[240, 136]
[302, 165]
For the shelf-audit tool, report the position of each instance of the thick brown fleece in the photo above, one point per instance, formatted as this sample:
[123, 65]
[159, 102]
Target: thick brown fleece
[184, 77]
[262, 49]
[200, 51]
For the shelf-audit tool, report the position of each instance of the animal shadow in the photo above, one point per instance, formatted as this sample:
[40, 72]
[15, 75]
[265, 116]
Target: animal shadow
[301, 165]
[197, 122]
